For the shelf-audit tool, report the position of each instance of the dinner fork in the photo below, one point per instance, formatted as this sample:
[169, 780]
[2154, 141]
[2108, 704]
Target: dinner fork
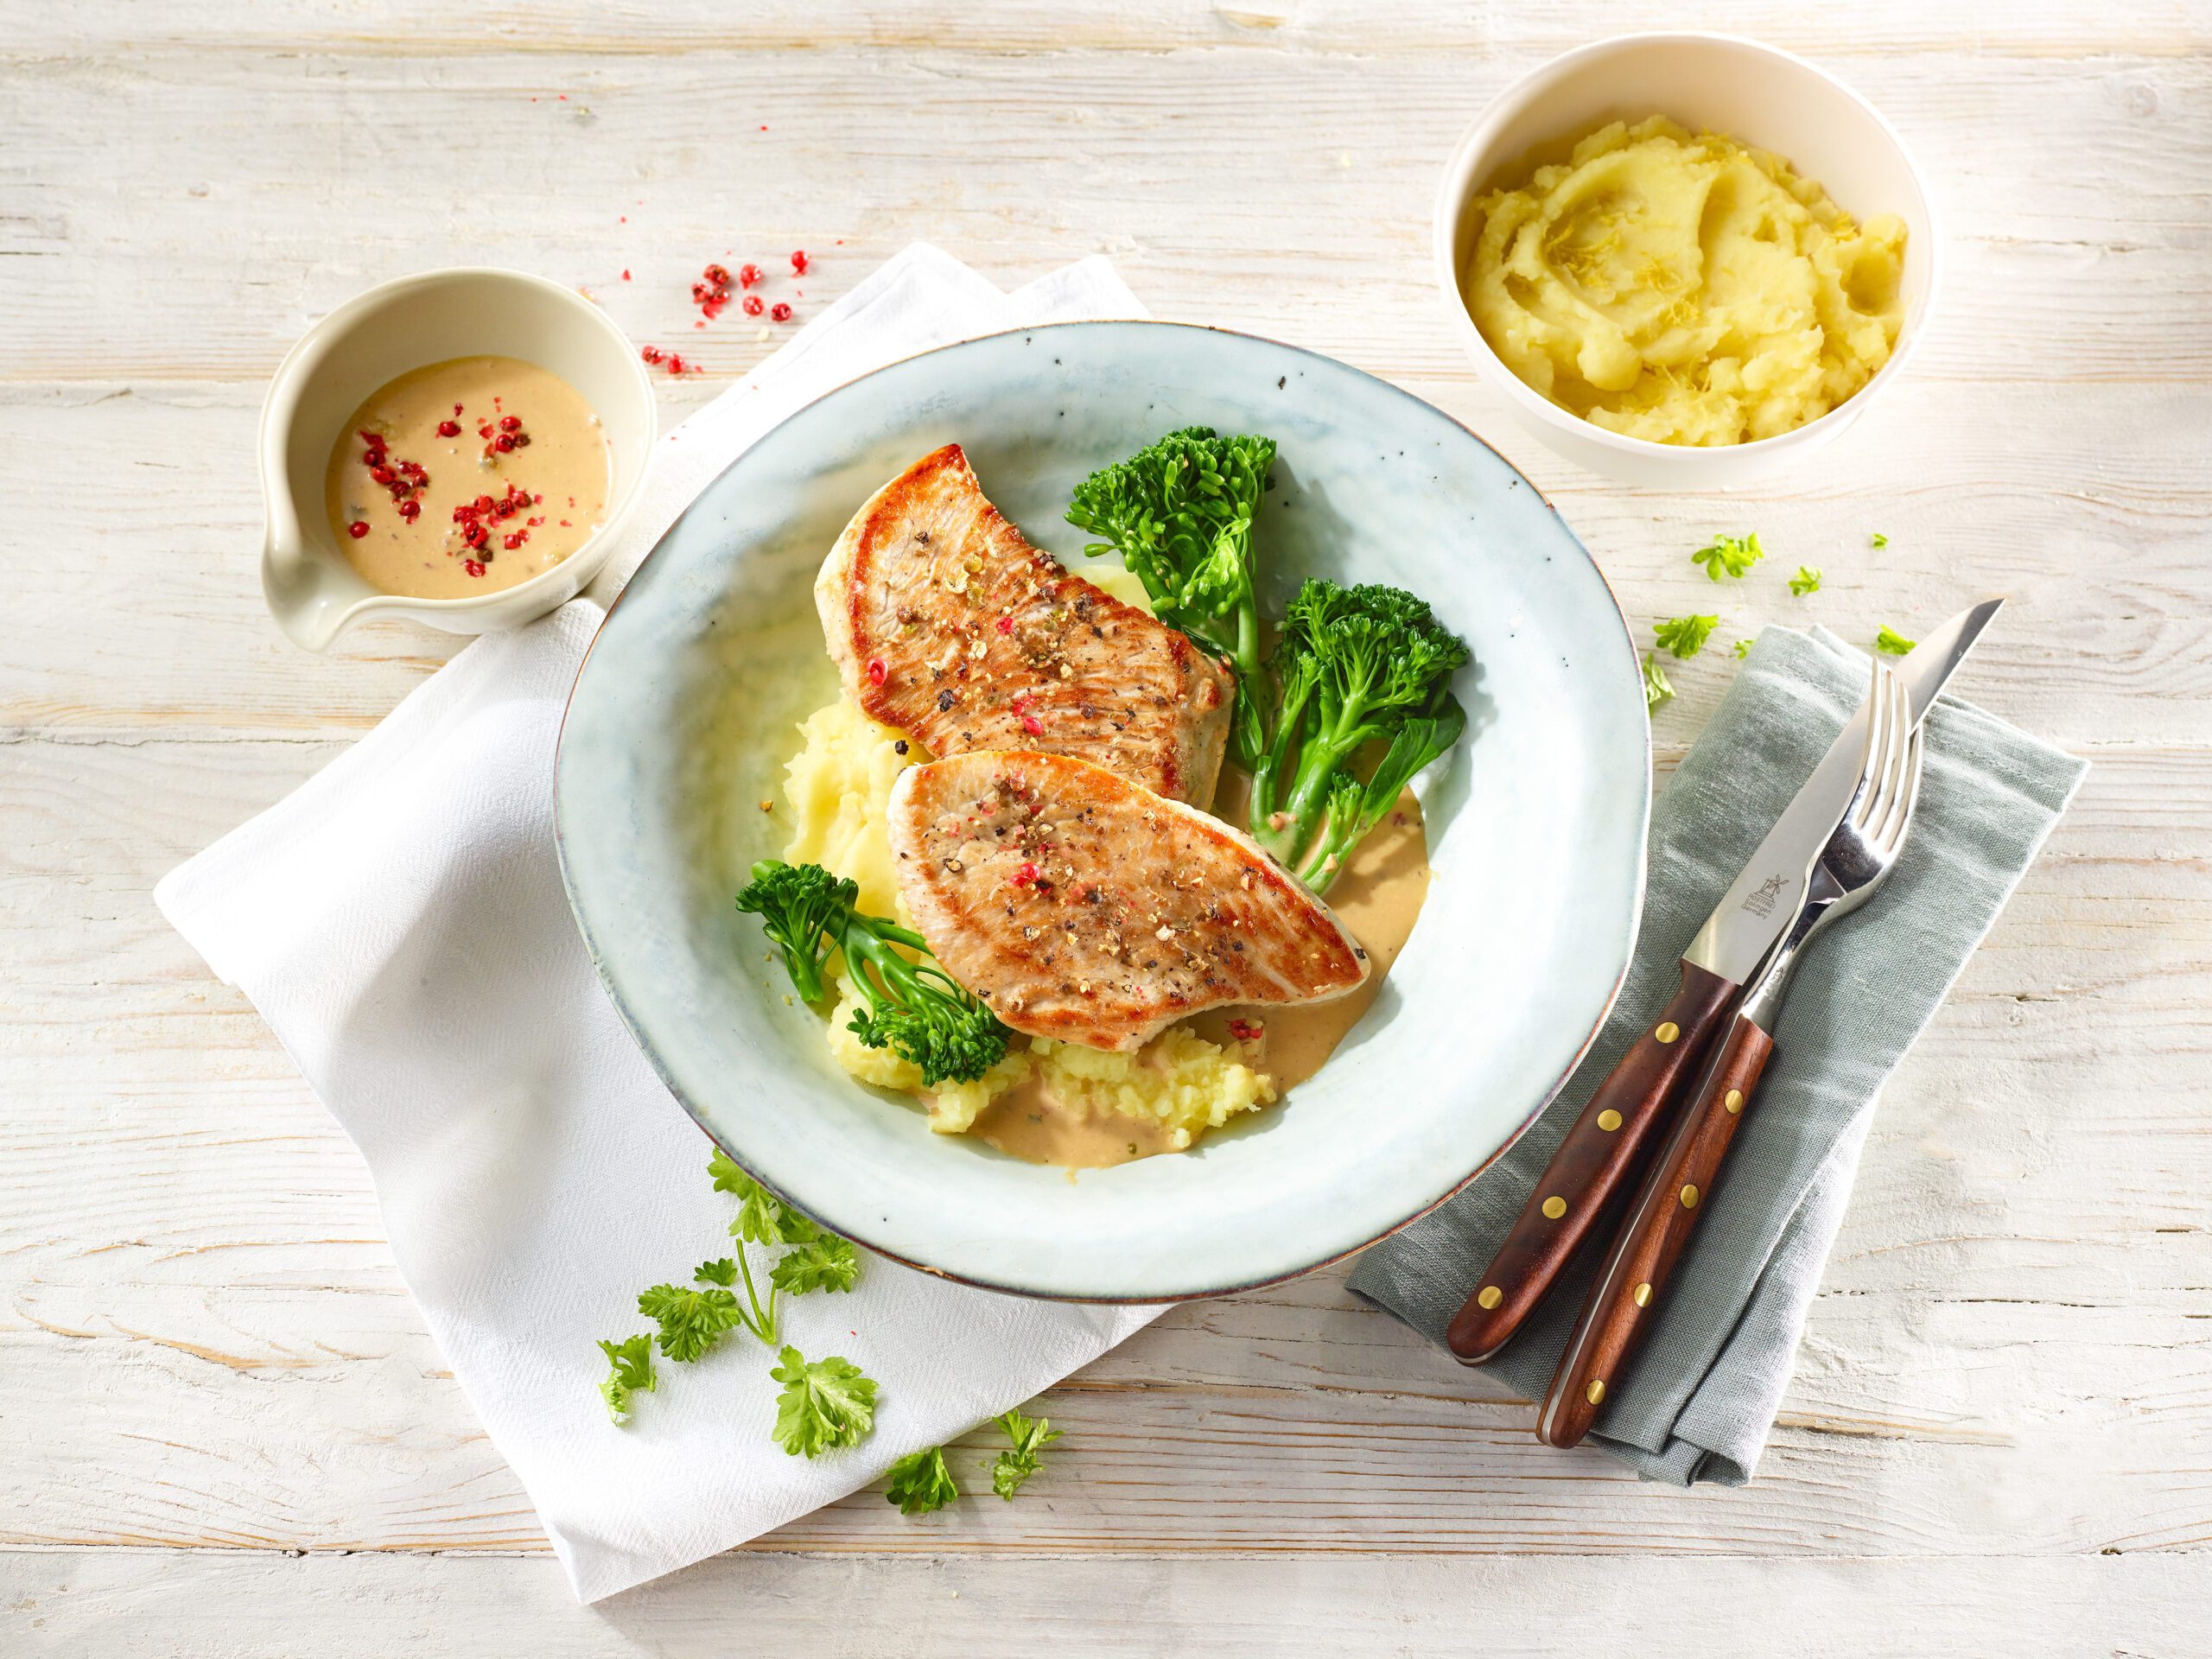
[1862, 851]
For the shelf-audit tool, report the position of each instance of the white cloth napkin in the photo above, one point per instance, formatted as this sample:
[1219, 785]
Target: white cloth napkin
[399, 922]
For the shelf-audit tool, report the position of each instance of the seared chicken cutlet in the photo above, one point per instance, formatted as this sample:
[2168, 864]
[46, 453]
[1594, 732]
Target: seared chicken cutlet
[1085, 908]
[947, 623]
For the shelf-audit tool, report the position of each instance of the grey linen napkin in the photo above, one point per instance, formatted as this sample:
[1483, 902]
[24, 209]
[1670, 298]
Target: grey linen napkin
[1699, 1400]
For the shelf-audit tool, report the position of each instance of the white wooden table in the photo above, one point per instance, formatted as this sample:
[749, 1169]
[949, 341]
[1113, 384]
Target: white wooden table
[222, 1428]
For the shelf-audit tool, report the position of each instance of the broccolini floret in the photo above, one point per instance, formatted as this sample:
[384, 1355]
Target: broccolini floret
[804, 908]
[915, 1009]
[1354, 665]
[1179, 514]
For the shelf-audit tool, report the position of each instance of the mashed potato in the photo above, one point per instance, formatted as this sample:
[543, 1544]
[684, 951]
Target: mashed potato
[839, 787]
[1179, 1080]
[1684, 289]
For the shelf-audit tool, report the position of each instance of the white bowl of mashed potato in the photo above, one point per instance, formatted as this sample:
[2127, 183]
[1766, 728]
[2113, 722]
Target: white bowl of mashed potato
[1686, 260]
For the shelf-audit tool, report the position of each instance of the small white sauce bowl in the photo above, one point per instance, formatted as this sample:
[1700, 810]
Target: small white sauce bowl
[1714, 83]
[313, 591]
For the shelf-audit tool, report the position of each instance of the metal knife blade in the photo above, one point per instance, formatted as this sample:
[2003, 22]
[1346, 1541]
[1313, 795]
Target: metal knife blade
[1765, 897]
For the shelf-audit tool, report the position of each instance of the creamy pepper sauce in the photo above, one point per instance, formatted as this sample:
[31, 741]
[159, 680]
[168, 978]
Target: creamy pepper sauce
[1030, 1121]
[465, 477]
[1377, 898]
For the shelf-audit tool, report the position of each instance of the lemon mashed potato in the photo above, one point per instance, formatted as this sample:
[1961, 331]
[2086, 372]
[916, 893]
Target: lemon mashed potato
[1684, 289]
[839, 788]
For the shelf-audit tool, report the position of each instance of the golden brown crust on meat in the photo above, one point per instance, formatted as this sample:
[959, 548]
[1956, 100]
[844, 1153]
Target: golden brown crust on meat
[947, 623]
[1085, 908]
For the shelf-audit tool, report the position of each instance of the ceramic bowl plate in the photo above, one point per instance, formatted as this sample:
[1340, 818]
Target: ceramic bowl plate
[1710, 83]
[684, 715]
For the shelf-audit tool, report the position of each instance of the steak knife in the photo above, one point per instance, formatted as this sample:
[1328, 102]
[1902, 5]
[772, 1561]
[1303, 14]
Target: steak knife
[1611, 1141]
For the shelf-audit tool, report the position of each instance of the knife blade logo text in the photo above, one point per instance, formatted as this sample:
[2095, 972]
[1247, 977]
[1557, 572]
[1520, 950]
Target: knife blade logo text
[1760, 900]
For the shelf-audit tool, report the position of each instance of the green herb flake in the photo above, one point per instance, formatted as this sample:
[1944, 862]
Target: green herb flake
[1880, 540]
[1731, 555]
[1890, 640]
[1657, 687]
[1807, 581]
[1743, 649]
[1685, 636]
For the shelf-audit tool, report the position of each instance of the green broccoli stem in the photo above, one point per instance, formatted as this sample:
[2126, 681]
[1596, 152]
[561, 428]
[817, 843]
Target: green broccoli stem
[1319, 761]
[806, 975]
[1268, 774]
[868, 939]
[1248, 730]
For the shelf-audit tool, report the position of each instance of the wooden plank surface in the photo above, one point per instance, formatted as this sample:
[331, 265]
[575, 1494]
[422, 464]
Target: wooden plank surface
[2000, 1424]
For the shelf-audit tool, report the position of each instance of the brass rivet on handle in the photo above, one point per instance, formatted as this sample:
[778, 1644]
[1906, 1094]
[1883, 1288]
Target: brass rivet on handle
[1734, 1103]
[1595, 1392]
[1689, 1198]
[1555, 1207]
[1643, 1295]
[1668, 1031]
[1609, 1120]
[1489, 1296]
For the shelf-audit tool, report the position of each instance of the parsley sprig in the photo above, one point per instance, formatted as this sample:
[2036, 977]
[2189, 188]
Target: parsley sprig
[692, 1319]
[1657, 689]
[1029, 1436]
[1807, 581]
[1895, 644]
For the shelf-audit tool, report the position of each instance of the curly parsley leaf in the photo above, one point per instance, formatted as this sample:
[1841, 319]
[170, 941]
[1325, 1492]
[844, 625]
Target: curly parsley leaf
[762, 1217]
[1729, 554]
[824, 1405]
[1029, 1435]
[1807, 581]
[691, 1320]
[1743, 649]
[1657, 686]
[630, 1370]
[823, 1262]
[727, 1177]
[1880, 540]
[919, 1482]
[1685, 636]
[1889, 640]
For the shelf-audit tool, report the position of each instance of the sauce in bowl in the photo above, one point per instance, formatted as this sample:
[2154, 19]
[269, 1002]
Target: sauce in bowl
[465, 477]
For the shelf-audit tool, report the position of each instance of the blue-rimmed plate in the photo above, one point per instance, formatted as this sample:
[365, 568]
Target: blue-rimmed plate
[686, 710]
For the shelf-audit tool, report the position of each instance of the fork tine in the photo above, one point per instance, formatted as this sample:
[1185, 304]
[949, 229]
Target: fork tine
[1881, 747]
[1895, 759]
[1891, 835]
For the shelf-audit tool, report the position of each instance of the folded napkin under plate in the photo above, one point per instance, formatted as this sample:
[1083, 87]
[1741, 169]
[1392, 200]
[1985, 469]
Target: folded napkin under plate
[399, 921]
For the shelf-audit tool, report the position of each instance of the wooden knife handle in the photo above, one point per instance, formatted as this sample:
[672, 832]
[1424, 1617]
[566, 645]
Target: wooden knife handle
[1625, 1299]
[1594, 1167]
